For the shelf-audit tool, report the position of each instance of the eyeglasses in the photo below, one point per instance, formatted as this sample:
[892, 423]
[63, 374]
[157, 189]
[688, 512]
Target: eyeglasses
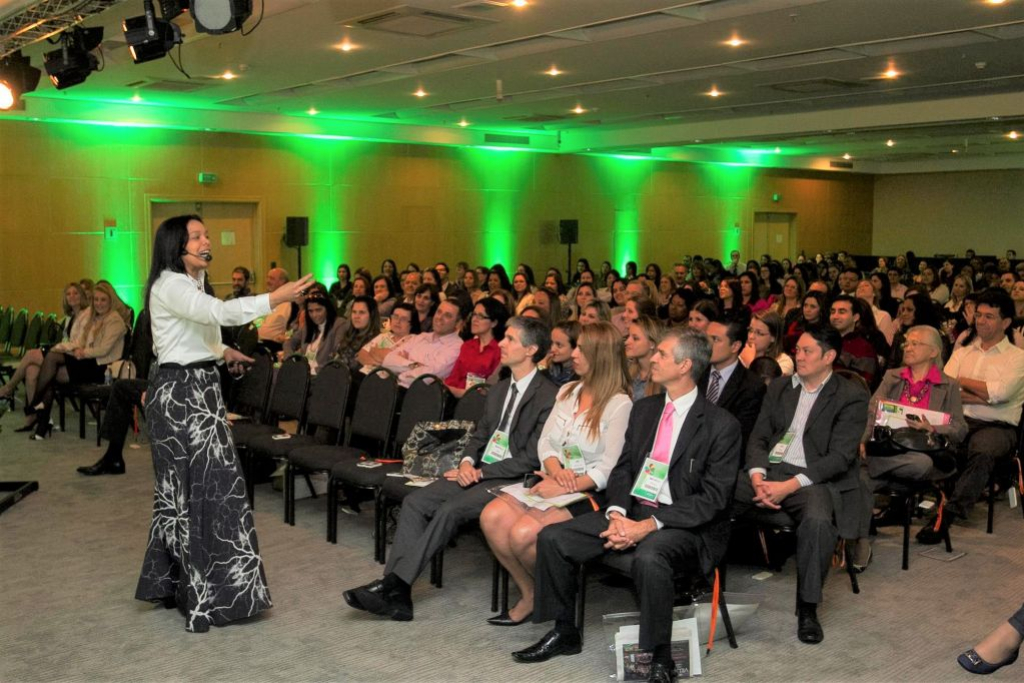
[480, 316]
[910, 344]
[401, 319]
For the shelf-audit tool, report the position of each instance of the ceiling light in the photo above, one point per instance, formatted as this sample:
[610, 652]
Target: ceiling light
[346, 46]
[995, 2]
[312, 111]
[17, 77]
[219, 16]
[553, 71]
[74, 61]
[420, 92]
[1013, 135]
[579, 109]
[847, 156]
[735, 41]
[891, 73]
[228, 75]
[778, 150]
[149, 38]
[714, 92]
[463, 123]
[519, 4]
[890, 143]
[136, 97]
[954, 151]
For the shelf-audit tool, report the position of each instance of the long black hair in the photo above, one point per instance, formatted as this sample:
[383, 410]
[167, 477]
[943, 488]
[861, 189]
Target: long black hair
[168, 248]
[312, 330]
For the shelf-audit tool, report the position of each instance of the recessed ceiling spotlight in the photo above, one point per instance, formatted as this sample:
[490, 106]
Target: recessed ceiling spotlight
[136, 97]
[954, 151]
[553, 71]
[519, 4]
[578, 109]
[847, 156]
[890, 143]
[714, 92]
[228, 75]
[995, 2]
[735, 41]
[891, 73]
[346, 46]
[420, 92]
[463, 123]
[778, 150]
[1013, 135]
[312, 111]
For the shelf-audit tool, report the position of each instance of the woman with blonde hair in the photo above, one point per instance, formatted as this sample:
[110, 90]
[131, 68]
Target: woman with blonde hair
[765, 338]
[643, 338]
[73, 303]
[84, 359]
[578, 448]
[595, 311]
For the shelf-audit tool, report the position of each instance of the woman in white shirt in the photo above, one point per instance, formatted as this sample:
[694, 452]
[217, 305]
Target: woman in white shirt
[203, 556]
[578, 448]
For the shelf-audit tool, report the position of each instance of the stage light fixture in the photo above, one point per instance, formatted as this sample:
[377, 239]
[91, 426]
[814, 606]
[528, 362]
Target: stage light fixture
[17, 77]
[169, 9]
[220, 16]
[150, 38]
[74, 61]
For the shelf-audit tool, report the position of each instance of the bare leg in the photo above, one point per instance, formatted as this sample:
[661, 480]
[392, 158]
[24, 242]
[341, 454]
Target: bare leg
[31, 361]
[523, 539]
[497, 521]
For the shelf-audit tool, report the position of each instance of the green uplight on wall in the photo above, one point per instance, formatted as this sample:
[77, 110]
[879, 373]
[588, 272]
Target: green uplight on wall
[623, 176]
[732, 184]
[501, 178]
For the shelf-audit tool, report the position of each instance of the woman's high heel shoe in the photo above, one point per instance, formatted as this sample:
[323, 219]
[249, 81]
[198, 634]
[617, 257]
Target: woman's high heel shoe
[46, 432]
[30, 427]
[972, 661]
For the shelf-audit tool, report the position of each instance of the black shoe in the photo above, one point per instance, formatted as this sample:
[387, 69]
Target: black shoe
[808, 628]
[551, 645]
[662, 673]
[504, 619]
[394, 603]
[972, 662]
[104, 466]
[928, 535]
[375, 587]
[42, 432]
[893, 515]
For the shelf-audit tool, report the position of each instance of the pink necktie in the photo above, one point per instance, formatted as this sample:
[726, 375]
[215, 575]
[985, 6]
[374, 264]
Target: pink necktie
[662, 451]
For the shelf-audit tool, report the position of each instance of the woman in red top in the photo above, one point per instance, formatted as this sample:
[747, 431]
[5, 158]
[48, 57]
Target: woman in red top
[480, 355]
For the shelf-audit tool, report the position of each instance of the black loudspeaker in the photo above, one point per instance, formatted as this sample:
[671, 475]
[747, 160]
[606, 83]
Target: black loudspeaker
[220, 16]
[568, 231]
[296, 232]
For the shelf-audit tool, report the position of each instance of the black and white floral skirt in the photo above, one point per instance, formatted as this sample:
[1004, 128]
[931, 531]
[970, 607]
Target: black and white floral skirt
[202, 545]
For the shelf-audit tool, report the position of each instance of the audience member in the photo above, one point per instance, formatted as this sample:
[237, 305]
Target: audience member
[425, 301]
[320, 335]
[802, 457]
[273, 330]
[431, 353]
[384, 295]
[404, 326]
[728, 383]
[241, 281]
[363, 325]
[641, 342]
[502, 449]
[764, 339]
[479, 357]
[558, 366]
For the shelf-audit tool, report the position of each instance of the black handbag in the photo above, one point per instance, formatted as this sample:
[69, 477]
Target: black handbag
[887, 442]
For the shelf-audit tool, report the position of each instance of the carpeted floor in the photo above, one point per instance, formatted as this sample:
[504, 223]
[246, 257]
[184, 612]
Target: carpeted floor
[70, 555]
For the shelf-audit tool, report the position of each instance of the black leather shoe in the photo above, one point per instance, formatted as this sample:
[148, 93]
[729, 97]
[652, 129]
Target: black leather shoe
[351, 597]
[928, 535]
[504, 619]
[808, 628]
[551, 645]
[104, 466]
[395, 603]
[662, 673]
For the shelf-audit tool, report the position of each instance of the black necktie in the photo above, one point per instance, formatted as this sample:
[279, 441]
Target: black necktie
[503, 426]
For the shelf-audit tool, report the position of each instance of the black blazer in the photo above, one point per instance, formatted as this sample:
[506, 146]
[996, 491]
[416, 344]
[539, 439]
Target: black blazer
[702, 472]
[831, 439]
[742, 396]
[527, 423]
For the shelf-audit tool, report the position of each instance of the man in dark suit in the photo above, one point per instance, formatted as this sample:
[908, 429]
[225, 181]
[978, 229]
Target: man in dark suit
[802, 458]
[727, 383]
[669, 499]
[502, 449]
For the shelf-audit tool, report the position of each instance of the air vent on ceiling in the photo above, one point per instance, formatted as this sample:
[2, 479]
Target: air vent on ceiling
[481, 6]
[799, 59]
[416, 21]
[153, 85]
[536, 118]
[817, 85]
[502, 139]
[521, 48]
[841, 164]
[632, 27]
[443, 63]
[918, 43]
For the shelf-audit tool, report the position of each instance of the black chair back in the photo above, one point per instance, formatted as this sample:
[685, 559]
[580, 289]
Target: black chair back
[423, 402]
[247, 339]
[254, 388]
[471, 406]
[328, 399]
[51, 331]
[6, 320]
[18, 329]
[288, 397]
[375, 408]
[854, 377]
[141, 352]
[34, 333]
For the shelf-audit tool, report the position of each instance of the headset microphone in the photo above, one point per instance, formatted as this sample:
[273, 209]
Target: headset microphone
[205, 255]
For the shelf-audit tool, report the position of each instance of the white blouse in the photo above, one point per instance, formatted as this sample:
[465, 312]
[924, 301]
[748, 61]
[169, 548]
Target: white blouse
[186, 321]
[563, 428]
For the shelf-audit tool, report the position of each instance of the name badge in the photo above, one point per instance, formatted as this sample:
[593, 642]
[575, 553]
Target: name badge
[472, 380]
[572, 458]
[497, 448]
[779, 451]
[650, 480]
